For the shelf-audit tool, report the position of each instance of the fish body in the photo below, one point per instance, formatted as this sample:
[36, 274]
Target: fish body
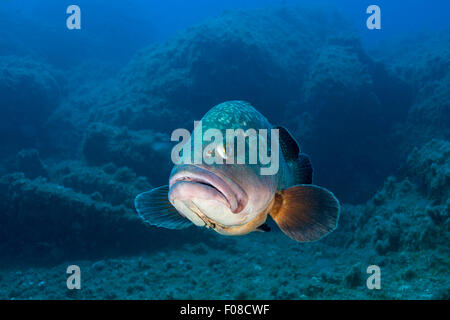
[234, 188]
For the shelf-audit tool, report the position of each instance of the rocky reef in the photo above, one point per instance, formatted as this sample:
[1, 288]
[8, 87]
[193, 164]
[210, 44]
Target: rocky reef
[403, 229]
[347, 111]
[423, 62]
[86, 212]
[259, 56]
[144, 151]
[29, 92]
[410, 214]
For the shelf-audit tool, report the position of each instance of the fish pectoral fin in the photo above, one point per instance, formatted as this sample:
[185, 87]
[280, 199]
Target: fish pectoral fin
[155, 209]
[305, 212]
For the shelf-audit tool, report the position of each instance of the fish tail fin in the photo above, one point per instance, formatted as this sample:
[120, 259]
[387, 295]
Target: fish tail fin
[306, 212]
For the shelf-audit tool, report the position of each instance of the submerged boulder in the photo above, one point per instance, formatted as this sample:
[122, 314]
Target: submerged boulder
[430, 166]
[29, 92]
[146, 152]
[109, 183]
[259, 55]
[346, 119]
[410, 213]
[44, 222]
[29, 162]
[424, 63]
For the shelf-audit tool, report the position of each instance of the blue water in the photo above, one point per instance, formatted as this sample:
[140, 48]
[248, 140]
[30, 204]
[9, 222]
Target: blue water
[86, 117]
[151, 21]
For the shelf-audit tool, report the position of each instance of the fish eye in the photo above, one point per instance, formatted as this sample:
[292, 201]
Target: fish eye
[221, 151]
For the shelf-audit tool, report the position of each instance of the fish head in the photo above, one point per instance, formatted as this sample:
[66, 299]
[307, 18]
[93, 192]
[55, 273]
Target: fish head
[227, 196]
[221, 192]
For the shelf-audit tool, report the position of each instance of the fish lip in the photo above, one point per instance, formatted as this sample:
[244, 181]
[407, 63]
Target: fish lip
[236, 197]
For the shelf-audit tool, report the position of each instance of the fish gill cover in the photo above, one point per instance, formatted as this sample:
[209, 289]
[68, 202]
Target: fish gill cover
[82, 135]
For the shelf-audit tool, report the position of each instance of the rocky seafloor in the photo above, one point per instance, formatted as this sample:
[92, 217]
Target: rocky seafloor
[403, 229]
[79, 146]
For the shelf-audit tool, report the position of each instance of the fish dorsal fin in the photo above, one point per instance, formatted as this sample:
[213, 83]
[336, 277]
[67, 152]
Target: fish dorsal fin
[288, 144]
[305, 212]
[299, 162]
[155, 209]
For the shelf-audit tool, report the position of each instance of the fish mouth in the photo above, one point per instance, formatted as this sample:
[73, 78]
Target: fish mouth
[234, 196]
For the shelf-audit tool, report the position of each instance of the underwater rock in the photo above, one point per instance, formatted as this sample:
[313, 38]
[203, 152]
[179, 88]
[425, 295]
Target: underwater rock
[40, 215]
[85, 85]
[99, 265]
[424, 63]
[29, 162]
[354, 277]
[404, 215]
[255, 55]
[145, 152]
[439, 214]
[347, 110]
[429, 117]
[29, 92]
[45, 222]
[110, 187]
[430, 165]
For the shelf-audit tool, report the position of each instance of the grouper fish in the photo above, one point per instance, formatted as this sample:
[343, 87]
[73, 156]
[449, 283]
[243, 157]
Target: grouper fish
[236, 198]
